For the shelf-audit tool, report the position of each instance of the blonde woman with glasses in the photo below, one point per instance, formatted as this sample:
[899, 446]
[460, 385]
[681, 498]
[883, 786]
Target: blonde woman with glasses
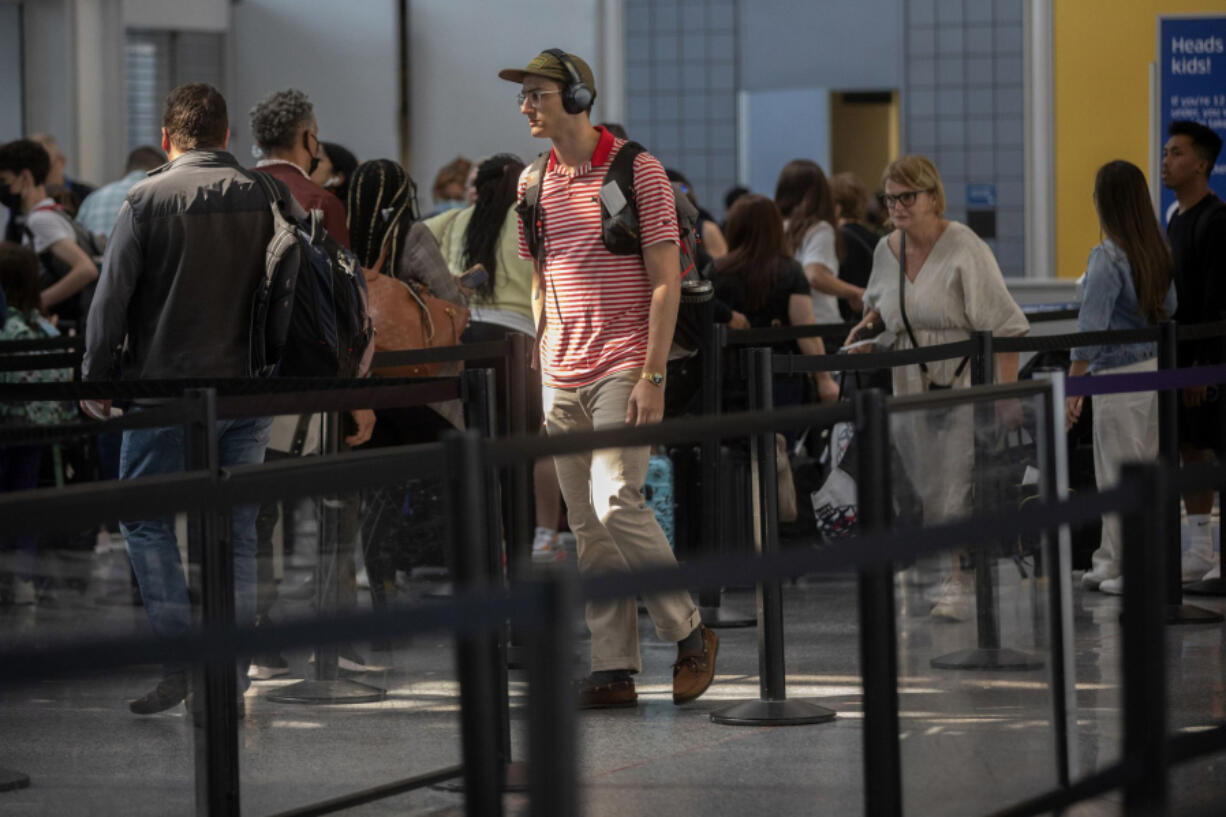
[950, 285]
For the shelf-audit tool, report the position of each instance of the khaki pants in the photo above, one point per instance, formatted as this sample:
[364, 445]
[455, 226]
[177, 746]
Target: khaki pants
[614, 528]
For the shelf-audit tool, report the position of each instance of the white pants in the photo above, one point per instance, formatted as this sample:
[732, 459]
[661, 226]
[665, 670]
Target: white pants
[1125, 430]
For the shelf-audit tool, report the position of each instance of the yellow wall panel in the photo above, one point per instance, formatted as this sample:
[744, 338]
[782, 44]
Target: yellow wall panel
[1102, 50]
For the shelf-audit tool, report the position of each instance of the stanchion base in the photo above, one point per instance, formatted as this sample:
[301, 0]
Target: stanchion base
[988, 658]
[338, 691]
[722, 618]
[515, 777]
[1191, 614]
[11, 780]
[1206, 587]
[772, 713]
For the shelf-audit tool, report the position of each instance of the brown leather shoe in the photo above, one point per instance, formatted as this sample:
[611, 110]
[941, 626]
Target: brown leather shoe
[607, 696]
[693, 671]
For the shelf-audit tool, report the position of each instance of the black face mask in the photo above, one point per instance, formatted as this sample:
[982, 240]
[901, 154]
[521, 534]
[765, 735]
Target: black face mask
[9, 199]
[306, 143]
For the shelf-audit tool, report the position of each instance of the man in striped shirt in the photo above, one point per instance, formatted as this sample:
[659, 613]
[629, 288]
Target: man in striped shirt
[605, 326]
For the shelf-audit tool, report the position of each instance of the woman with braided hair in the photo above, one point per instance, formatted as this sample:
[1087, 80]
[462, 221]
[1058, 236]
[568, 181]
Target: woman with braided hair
[387, 239]
[487, 233]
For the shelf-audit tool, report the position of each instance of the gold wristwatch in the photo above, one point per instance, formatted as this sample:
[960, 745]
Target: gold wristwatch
[655, 378]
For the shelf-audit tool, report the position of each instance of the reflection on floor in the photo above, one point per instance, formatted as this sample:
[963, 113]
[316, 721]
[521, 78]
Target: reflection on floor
[971, 741]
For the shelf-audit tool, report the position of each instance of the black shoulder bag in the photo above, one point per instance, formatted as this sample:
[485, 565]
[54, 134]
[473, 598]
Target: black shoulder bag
[902, 308]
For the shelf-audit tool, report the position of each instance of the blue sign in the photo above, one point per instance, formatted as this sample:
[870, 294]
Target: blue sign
[980, 195]
[1192, 67]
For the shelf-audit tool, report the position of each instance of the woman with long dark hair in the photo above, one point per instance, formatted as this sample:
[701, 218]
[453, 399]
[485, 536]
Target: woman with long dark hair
[759, 279]
[804, 199]
[487, 233]
[1128, 284]
[388, 240]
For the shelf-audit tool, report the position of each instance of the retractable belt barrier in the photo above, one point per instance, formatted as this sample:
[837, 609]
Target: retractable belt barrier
[539, 607]
[544, 605]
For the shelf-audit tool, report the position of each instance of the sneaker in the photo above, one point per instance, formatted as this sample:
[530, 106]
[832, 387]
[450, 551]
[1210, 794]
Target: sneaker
[1197, 554]
[169, 692]
[694, 671]
[545, 547]
[612, 695]
[266, 667]
[1091, 580]
[954, 603]
[1113, 587]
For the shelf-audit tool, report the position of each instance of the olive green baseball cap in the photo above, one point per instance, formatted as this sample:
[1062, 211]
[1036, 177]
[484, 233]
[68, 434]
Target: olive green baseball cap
[549, 66]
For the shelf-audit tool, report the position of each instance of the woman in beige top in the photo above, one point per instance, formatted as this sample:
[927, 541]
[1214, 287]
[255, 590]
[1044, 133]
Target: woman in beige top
[953, 287]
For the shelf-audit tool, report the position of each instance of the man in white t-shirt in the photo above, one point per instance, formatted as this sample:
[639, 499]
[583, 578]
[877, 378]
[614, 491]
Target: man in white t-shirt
[66, 268]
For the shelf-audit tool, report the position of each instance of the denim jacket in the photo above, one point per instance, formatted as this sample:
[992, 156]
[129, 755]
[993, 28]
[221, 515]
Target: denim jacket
[1109, 302]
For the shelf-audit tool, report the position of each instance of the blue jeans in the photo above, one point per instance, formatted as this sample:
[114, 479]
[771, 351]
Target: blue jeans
[152, 546]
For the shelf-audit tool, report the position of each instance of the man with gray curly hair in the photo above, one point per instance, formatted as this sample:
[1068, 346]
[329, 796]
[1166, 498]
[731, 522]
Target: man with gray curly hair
[286, 132]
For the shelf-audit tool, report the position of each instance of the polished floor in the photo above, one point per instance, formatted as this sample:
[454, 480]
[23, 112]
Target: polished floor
[972, 741]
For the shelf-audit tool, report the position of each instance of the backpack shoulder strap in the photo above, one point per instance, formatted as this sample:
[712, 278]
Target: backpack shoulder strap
[536, 174]
[621, 170]
[276, 199]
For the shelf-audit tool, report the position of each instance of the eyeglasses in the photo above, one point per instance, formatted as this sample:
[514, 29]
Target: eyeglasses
[533, 98]
[905, 198]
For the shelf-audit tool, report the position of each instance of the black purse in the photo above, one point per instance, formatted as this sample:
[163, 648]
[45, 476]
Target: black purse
[902, 308]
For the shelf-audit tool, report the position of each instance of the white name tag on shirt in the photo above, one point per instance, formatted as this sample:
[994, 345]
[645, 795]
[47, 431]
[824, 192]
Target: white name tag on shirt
[612, 198]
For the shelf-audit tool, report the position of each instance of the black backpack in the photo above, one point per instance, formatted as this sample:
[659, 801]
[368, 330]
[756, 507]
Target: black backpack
[309, 317]
[619, 232]
[52, 269]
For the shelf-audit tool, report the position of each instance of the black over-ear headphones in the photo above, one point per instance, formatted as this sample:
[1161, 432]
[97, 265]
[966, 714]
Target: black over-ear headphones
[576, 96]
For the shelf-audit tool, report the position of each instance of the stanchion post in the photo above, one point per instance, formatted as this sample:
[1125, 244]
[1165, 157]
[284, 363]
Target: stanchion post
[214, 683]
[1168, 452]
[552, 741]
[476, 654]
[712, 533]
[1144, 641]
[519, 500]
[983, 373]
[328, 557]
[478, 390]
[1057, 557]
[878, 638]
[772, 707]
[712, 386]
[988, 654]
[326, 686]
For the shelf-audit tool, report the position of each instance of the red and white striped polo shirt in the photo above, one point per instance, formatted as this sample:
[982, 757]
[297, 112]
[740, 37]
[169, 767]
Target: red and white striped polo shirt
[596, 303]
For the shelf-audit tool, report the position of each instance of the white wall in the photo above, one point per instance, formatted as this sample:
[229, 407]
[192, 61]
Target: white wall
[777, 127]
[178, 15]
[459, 105]
[342, 55]
[837, 44]
[10, 72]
[49, 92]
